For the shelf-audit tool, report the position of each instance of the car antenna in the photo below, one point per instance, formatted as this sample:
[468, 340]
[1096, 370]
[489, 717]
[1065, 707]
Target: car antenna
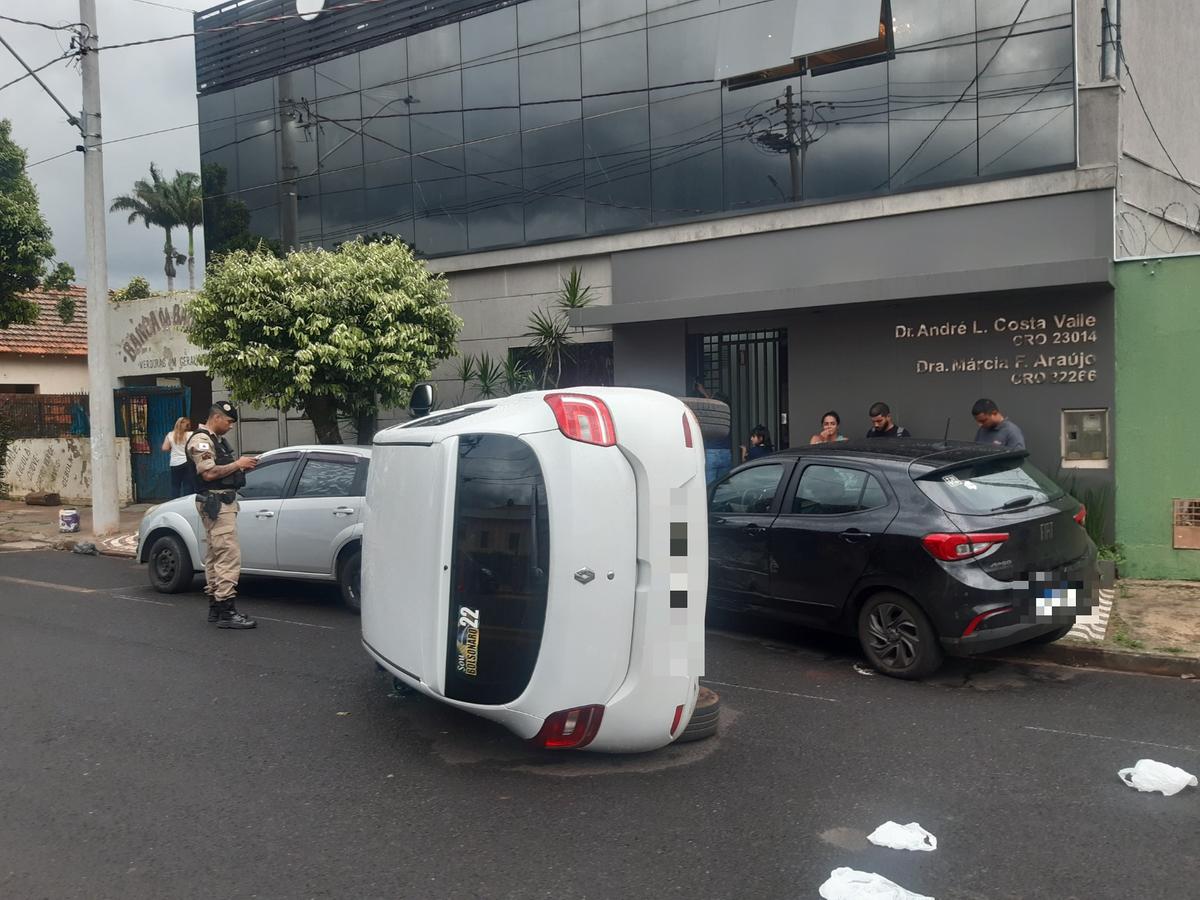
[946, 436]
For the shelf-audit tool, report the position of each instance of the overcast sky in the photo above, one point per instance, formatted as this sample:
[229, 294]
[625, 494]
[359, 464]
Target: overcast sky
[144, 89]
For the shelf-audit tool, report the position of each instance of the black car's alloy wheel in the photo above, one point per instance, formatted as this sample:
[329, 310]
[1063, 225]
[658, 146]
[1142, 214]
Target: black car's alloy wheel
[897, 637]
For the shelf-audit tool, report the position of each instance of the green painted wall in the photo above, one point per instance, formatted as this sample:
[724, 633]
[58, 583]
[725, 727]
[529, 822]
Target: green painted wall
[1157, 410]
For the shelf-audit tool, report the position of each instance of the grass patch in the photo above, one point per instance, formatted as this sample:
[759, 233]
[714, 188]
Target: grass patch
[1169, 649]
[1122, 639]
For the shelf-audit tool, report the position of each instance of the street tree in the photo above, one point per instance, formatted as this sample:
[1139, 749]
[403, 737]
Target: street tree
[333, 333]
[151, 201]
[26, 252]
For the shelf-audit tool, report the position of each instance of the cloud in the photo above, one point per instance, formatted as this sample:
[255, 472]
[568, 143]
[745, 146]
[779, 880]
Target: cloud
[143, 89]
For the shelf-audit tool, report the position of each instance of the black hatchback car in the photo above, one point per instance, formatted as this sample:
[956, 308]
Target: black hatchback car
[919, 548]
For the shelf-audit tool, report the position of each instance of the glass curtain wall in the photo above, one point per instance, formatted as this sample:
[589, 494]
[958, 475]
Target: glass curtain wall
[552, 119]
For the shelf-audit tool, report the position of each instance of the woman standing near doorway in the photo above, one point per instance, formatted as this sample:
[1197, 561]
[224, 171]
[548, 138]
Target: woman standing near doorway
[174, 443]
[830, 431]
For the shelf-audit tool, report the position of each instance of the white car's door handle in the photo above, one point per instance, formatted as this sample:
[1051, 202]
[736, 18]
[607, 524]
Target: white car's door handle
[343, 511]
[264, 514]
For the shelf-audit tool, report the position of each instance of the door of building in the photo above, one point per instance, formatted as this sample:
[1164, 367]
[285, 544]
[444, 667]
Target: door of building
[145, 415]
[748, 370]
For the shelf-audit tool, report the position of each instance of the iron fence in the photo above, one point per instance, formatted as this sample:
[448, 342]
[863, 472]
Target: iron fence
[45, 415]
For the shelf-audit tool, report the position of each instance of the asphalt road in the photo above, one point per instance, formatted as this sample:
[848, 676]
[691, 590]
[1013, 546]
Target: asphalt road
[144, 753]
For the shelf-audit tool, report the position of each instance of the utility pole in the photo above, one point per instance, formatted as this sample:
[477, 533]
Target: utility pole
[105, 514]
[288, 199]
[793, 149]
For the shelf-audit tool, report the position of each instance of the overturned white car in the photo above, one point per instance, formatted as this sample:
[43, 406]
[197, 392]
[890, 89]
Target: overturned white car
[542, 560]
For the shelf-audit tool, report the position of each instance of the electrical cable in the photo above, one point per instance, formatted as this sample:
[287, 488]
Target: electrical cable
[1149, 121]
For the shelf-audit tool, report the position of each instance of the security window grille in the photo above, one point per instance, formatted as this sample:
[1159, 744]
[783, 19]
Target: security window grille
[1187, 524]
[748, 370]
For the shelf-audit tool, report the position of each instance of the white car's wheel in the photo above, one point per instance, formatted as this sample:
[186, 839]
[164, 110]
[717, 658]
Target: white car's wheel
[350, 580]
[170, 565]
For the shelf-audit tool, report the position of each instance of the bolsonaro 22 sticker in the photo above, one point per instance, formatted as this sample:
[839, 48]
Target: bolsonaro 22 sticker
[467, 641]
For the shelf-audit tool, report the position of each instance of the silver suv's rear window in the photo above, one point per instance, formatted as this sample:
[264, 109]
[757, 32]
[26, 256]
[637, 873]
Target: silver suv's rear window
[987, 487]
[500, 563]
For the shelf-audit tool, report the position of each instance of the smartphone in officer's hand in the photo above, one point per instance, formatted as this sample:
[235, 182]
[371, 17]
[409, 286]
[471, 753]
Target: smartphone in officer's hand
[248, 462]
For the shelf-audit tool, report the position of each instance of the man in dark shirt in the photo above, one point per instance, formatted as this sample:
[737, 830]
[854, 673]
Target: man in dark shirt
[994, 429]
[882, 425]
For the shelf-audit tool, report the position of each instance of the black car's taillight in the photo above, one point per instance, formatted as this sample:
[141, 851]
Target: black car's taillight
[954, 547]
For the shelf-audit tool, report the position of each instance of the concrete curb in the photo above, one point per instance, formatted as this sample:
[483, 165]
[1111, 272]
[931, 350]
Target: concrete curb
[1083, 656]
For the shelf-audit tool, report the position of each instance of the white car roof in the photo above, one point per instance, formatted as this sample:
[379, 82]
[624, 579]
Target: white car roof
[351, 449]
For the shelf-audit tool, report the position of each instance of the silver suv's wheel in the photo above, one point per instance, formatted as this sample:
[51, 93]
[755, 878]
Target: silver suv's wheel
[170, 565]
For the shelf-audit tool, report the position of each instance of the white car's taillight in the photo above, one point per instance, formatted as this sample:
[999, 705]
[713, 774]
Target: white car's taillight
[584, 418]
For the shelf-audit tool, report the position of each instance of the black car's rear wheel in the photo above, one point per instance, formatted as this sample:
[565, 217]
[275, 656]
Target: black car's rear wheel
[897, 638]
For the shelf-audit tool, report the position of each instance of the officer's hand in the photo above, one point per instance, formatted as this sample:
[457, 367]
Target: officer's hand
[247, 462]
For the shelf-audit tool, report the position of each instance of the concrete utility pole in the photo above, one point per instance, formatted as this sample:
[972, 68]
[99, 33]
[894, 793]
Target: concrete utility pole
[105, 510]
[288, 190]
[793, 148]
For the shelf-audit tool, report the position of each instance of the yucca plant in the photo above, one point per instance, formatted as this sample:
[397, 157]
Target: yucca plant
[464, 371]
[517, 377]
[489, 376]
[549, 336]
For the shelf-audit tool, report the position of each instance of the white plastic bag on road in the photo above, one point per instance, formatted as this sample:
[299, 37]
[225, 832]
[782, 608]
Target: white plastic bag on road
[850, 884]
[1149, 775]
[902, 837]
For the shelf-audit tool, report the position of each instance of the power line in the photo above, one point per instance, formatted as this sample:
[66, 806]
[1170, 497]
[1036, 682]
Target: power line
[45, 25]
[1149, 121]
[52, 158]
[961, 96]
[71, 117]
[32, 73]
[190, 12]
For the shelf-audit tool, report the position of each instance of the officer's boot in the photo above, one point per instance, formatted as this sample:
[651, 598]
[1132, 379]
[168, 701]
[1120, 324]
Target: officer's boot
[214, 611]
[229, 617]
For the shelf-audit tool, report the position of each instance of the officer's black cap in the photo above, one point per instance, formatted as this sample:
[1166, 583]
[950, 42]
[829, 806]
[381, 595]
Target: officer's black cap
[227, 409]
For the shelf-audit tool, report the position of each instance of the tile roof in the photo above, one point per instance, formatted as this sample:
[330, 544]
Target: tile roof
[48, 336]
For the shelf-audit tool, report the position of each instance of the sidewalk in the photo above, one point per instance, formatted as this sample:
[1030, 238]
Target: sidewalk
[36, 528]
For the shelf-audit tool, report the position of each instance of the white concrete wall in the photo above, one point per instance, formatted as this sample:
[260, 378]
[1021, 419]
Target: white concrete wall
[62, 465]
[51, 374]
[1158, 212]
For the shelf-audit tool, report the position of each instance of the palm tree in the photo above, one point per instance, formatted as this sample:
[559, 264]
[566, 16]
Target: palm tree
[151, 202]
[186, 203]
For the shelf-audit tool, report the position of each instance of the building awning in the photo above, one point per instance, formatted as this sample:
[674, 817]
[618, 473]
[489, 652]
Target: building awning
[1015, 245]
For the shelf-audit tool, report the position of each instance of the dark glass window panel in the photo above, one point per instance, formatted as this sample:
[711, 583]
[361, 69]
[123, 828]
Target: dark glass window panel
[619, 15]
[918, 22]
[553, 217]
[496, 211]
[491, 86]
[433, 51]
[256, 162]
[660, 11]
[268, 480]
[383, 65]
[337, 77]
[753, 35]
[437, 145]
[755, 133]
[932, 132]
[553, 176]
[617, 163]
[343, 214]
[1026, 103]
[390, 210]
[846, 119]
[308, 215]
[436, 93]
[339, 142]
[440, 235]
[683, 51]
[493, 154]
[489, 36]
[498, 595]
[255, 106]
[387, 147]
[550, 76]
[543, 20]
[263, 206]
[615, 64]
[685, 147]
[218, 127]
[1000, 14]
[327, 478]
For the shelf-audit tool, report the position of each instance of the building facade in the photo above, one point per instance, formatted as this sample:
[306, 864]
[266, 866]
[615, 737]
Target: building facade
[797, 205]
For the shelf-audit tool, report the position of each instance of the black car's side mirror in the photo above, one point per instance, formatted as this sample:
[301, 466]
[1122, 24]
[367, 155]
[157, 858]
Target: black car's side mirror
[424, 397]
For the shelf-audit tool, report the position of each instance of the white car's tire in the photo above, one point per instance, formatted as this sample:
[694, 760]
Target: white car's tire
[170, 565]
[350, 580]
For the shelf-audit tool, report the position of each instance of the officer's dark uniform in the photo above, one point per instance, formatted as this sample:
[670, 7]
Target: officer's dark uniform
[216, 502]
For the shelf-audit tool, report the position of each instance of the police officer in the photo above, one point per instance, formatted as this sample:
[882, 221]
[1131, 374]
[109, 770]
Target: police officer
[219, 474]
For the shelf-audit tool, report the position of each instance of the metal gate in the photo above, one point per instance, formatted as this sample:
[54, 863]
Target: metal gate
[146, 415]
[748, 370]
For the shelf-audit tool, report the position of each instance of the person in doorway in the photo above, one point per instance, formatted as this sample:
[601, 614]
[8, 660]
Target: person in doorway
[760, 444]
[830, 432]
[882, 425]
[994, 428]
[219, 474]
[174, 443]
